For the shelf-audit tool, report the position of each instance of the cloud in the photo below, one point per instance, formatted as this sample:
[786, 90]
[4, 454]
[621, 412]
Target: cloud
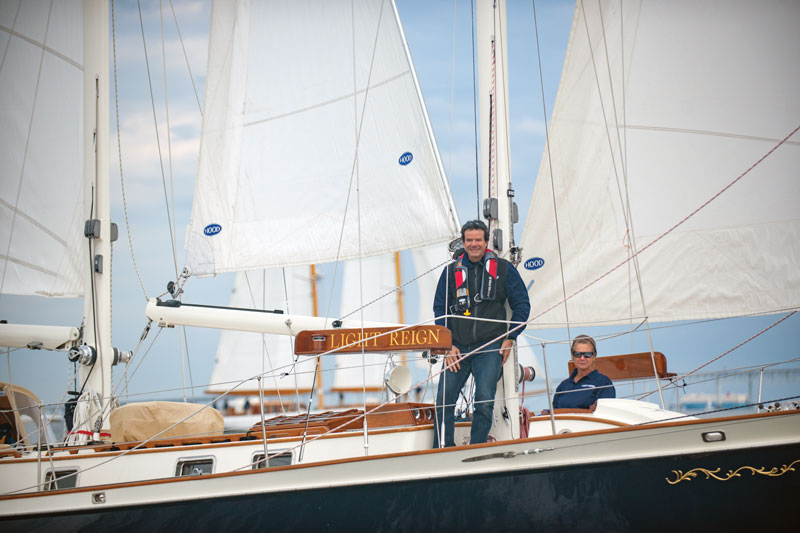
[140, 147]
[528, 124]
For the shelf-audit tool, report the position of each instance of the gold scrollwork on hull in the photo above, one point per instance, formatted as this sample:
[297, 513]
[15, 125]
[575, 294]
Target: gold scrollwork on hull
[691, 474]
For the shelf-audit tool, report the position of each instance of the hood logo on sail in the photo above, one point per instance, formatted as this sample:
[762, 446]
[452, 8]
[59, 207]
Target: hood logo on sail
[534, 263]
[405, 158]
[212, 229]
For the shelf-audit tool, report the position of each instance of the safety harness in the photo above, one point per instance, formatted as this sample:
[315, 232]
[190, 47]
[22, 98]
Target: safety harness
[488, 283]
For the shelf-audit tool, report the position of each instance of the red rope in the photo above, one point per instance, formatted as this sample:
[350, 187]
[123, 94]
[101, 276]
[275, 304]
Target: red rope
[89, 433]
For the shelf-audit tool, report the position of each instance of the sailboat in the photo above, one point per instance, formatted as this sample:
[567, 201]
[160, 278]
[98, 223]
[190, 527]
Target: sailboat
[374, 470]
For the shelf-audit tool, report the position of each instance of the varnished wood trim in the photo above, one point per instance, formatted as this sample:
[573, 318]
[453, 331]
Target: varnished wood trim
[7, 451]
[567, 410]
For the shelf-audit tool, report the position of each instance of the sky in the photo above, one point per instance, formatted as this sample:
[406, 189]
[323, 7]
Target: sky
[442, 57]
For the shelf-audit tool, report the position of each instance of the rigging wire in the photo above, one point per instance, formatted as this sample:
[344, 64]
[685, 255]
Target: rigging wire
[398, 288]
[550, 167]
[158, 141]
[452, 92]
[634, 329]
[264, 348]
[475, 116]
[186, 58]
[358, 211]
[119, 153]
[152, 343]
[124, 377]
[354, 167]
[169, 133]
[506, 128]
[182, 341]
[289, 339]
[188, 361]
[624, 145]
[678, 378]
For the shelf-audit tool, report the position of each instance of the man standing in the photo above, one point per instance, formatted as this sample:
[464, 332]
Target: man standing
[476, 287]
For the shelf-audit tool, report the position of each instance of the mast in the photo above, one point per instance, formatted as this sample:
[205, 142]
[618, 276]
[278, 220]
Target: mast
[498, 206]
[98, 229]
[494, 125]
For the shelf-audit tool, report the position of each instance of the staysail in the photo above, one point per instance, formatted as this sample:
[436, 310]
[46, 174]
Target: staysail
[316, 144]
[41, 153]
[659, 109]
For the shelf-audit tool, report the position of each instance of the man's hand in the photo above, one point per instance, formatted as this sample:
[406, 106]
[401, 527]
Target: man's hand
[452, 357]
[505, 349]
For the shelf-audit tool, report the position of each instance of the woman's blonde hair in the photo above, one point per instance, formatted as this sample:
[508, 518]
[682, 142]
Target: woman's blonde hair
[583, 339]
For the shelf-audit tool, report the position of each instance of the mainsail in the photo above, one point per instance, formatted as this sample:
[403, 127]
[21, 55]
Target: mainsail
[316, 145]
[41, 153]
[660, 109]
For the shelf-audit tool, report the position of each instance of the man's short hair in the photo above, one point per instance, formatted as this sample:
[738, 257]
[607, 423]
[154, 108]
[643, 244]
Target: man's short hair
[475, 224]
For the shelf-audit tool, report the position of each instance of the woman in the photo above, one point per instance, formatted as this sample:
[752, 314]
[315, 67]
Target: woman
[585, 385]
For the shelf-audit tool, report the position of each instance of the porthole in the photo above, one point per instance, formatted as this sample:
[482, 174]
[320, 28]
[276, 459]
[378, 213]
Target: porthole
[195, 467]
[63, 479]
[281, 459]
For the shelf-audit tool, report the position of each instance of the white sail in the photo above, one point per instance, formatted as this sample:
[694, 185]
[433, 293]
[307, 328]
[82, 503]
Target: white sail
[687, 98]
[370, 283]
[242, 355]
[41, 153]
[314, 128]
